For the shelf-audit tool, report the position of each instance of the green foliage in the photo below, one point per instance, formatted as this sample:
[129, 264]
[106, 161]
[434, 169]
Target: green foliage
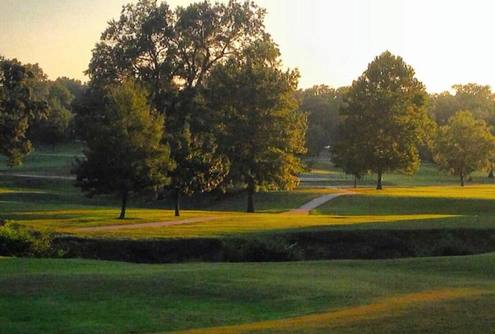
[17, 240]
[19, 106]
[262, 130]
[477, 99]
[55, 128]
[321, 104]
[384, 119]
[124, 150]
[172, 52]
[464, 145]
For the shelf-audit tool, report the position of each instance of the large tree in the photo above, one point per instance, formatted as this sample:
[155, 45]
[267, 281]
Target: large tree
[124, 152]
[262, 128]
[19, 106]
[463, 145]
[173, 52]
[384, 112]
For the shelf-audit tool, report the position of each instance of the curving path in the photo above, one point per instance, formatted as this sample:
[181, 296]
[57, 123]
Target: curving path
[316, 202]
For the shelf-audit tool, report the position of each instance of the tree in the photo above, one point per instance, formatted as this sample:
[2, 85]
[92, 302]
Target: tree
[124, 151]
[172, 52]
[384, 115]
[463, 145]
[347, 152]
[321, 105]
[262, 128]
[18, 108]
[55, 127]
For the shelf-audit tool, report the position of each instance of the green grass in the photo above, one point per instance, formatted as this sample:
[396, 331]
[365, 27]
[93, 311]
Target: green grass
[55, 204]
[80, 296]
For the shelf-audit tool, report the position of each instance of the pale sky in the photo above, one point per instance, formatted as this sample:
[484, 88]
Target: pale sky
[330, 41]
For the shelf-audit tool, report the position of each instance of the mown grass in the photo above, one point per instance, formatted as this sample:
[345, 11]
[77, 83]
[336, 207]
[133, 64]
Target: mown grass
[465, 207]
[438, 295]
[55, 204]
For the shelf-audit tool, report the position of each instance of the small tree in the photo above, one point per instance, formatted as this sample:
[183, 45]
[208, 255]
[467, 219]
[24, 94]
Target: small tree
[384, 113]
[463, 145]
[262, 129]
[124, 151]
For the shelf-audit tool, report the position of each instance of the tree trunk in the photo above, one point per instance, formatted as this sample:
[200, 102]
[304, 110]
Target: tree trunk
[177, 202]
[250, 198]
[490, 174]
[124, 204]
[462, 179]
[355, 181]
[379, 181]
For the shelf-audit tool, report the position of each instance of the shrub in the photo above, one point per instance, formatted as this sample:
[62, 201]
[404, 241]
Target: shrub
[16, 240]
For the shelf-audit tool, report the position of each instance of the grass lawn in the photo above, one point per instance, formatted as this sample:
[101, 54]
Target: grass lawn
[428, 200]
[434, 295]
[464, 207]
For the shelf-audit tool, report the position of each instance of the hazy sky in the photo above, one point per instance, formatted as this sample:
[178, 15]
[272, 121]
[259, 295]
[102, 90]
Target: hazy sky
[330, 41]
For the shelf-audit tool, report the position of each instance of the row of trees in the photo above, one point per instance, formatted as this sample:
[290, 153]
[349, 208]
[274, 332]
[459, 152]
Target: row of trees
[189, 100]
[387, 120]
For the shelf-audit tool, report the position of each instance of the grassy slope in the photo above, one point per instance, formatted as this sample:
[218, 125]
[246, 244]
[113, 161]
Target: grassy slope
[454, 295]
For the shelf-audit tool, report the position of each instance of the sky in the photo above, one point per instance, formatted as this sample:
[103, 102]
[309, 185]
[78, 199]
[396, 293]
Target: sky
[330, 41]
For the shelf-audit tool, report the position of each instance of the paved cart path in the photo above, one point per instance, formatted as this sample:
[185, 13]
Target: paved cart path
[316, 202]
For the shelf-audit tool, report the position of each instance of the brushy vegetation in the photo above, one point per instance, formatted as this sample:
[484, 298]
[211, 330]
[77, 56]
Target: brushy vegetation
[16, 240]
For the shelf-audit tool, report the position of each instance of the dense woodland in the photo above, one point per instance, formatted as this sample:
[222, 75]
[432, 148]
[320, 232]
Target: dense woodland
[196, 99]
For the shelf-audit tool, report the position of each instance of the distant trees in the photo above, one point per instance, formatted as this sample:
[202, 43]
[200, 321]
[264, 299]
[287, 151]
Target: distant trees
[384, 119]
[463, 145]
[477, 99]
[321, 104]
[19, 106]
[124, 150]
[173, 52]
[261, 128]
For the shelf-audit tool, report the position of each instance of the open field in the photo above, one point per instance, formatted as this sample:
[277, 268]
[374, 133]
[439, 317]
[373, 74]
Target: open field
[434, 295]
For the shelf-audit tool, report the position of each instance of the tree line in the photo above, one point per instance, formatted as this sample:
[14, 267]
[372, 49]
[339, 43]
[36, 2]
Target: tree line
[187, 100]
[195, 99]
[385, 121]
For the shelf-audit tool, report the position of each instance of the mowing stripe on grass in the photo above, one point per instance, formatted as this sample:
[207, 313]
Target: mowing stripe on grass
[334, 318]
[141, 225]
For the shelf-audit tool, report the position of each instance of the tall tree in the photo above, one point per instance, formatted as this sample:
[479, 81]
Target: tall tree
[321, 105]
[262, 128]
[384, 111]
[173, 51]
[463, 145]
[124, 151]
[18, 107]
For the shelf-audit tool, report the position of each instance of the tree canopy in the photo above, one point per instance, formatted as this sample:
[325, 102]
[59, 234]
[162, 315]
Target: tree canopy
[172, 52]
[463, 145]
[262, 129]
[321, 105]
[124, 151]
[19, 106]
[384, 119]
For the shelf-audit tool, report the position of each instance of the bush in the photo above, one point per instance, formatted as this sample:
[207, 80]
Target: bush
[16, 240]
